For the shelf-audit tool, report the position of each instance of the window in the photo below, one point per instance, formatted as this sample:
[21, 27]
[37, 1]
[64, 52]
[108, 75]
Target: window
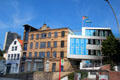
[94, 52]
[54, 54]
[28, 66]
[98, 53]
[104, 33]
[62, 68]
[88, 41]
[62, 43]
[15, 48]
[37, 36]
[36, 46]
[30, 55]
[62, 54]
[14, 56]
[22, 67]
[48, 54]
[55, 34]
[32, 36]
[11, 56]
[49, 34]
[25, 46]
[101, 33]
[93, 41]
[62, 33]
[34, 66]
[18, 56]
[43, 45]
[8, 56]
[31, 45]
[15, 42]
[55, 44]
[35, 54]
[89, 52]
[24, 54]
[43, 35]
[97, 42]
[26, 35]
[48, 45]
[40, 66]
[41, 54]
[12, 48]
[53, 67]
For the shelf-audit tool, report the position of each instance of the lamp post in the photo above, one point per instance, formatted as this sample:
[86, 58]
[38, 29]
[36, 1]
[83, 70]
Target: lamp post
[114, 15]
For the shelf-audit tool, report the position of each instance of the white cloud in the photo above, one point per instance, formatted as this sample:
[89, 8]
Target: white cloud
[17, 19]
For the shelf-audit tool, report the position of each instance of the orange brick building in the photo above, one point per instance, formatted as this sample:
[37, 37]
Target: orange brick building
[43, 49]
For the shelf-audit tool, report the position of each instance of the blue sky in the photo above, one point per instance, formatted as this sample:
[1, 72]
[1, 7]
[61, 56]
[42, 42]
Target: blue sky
[55, 13]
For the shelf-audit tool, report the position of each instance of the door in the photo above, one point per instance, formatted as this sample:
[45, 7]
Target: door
[8, 68]
[53, 67]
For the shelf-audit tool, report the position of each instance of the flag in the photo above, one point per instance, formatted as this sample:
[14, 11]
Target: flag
[88, 21]
[84, 17]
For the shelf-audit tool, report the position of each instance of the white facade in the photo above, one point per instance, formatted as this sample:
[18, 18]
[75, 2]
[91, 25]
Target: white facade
[13, 56]
[87, 47]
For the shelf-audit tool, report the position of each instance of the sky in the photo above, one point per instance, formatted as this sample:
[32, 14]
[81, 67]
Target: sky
[56, 14]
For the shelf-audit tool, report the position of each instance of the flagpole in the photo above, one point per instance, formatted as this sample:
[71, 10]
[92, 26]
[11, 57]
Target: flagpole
[82, 22]
[60, 69]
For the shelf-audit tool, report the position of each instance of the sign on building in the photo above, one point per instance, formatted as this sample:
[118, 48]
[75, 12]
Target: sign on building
[47, 66]
[103, 77]
[62, 61]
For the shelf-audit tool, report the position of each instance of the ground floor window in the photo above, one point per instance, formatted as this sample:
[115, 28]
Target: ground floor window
[53, 67]
[28, 66]
[40, 66]
[34, 67]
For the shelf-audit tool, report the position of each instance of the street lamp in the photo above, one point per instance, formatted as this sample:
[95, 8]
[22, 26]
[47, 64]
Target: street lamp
[114, 15]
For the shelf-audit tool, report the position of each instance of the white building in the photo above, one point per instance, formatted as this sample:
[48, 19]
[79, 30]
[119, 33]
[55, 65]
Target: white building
[86, 48]
[13, 56]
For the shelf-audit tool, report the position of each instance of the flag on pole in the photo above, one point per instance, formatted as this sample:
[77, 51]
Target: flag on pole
[88, 21]
[84, 17]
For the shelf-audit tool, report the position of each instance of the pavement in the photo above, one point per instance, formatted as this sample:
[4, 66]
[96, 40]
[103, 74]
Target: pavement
[2, 78]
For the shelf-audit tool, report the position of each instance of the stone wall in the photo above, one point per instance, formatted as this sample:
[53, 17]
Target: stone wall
[49, 75]
[37, 75]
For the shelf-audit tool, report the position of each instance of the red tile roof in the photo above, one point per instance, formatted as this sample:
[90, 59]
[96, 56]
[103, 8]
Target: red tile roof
[21, 42]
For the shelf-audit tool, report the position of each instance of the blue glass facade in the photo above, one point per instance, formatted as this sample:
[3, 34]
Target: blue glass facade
[78, 46]
[97, 32]
[89, 32]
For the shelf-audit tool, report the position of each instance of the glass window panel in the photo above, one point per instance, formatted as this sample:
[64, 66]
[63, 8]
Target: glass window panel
[32, 36]
[55, 44]
[49, 44]
[37, 36]
[55, 34]
[37, 44]
[49, 34]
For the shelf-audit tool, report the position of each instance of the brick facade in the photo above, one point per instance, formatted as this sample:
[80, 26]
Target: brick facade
[31, 55]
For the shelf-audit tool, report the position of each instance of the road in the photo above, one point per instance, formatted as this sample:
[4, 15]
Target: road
[1, 78]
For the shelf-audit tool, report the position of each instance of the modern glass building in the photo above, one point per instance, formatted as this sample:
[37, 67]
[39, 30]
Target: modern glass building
[87, 47]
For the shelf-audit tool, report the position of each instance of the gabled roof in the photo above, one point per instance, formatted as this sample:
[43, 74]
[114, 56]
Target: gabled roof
[21, 42]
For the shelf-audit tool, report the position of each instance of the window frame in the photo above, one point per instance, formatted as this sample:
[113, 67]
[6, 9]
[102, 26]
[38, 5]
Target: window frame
[55, 34]
[63, 34]
[32, 37]
[62, 44]
[55, 44]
